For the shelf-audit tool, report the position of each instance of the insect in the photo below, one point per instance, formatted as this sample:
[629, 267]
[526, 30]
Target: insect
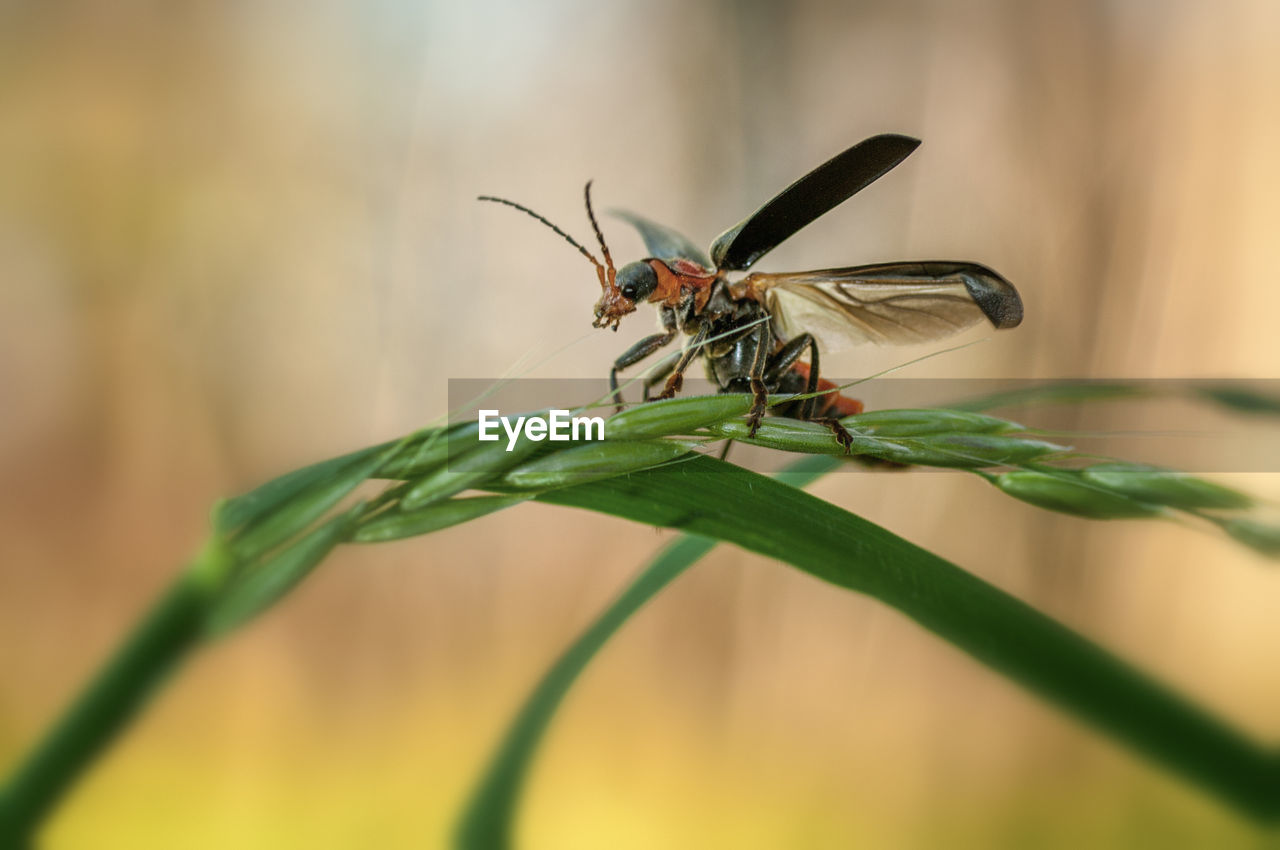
[752, 332]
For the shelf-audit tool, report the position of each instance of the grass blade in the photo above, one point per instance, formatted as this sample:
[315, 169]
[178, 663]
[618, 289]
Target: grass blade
[157, 646]
[997, 629]
[270, 581]
[397, 525]
[1242, 399]
[259, 502]
[1057, 392]
[307, 504]
[488, 820]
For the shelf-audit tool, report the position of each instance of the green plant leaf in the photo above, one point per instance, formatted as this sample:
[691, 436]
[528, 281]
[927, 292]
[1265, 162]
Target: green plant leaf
[472, 462]
[594, 461]
[999, 630]
[1242, 399]
[1066, 491]
[1230, 395]
[259, 502]
[268, 582]
[1055, 392]
[1165, 487]
[308, 503]
[427, 450]
[912, 422]
[397, 525]
[674, 416]
[971, 451]
[159, 642]
[1263, 537]
[488, 821]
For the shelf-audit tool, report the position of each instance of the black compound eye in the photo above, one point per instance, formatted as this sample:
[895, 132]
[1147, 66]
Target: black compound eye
[637, 281]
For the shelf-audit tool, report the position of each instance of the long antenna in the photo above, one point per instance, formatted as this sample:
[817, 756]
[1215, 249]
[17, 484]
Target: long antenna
[599, 268]
[586, 194]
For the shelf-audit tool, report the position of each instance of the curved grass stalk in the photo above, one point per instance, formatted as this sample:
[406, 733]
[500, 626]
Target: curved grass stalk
[266, 541]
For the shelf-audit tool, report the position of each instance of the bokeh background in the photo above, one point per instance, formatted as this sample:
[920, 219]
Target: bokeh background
[238, 237]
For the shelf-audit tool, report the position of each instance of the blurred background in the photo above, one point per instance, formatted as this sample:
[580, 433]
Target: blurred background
[239, 237]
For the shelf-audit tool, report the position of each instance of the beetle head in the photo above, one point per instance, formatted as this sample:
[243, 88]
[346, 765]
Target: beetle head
[615, 302]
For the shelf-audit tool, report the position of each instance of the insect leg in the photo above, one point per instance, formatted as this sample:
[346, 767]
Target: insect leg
[843, 437]
[677, 375]
[656, 377]
[760, 401]
[809, 407]
[635, 354]
[783, 359]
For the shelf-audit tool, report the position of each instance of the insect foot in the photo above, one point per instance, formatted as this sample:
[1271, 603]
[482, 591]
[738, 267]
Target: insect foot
[843, 437]
[759, 403]
[674, 383]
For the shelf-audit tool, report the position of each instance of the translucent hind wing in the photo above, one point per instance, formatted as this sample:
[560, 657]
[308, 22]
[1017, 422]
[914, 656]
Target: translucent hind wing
[887, 303]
